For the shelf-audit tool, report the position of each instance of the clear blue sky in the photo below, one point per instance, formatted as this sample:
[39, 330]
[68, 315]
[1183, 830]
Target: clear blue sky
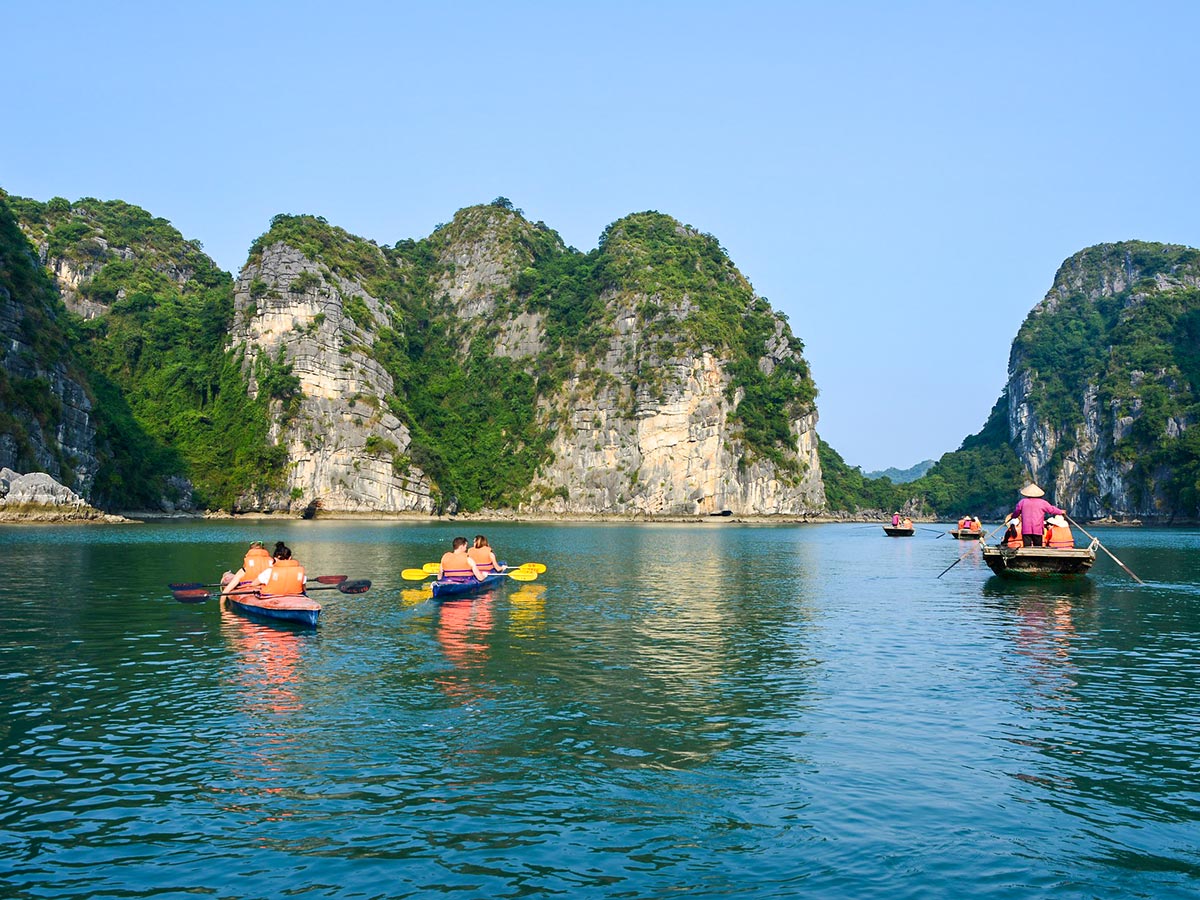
[901, 179]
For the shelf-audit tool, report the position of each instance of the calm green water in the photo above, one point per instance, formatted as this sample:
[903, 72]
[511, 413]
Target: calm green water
[714, 710]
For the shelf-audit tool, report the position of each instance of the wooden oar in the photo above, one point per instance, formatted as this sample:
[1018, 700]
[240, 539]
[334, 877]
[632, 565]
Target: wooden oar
[195, 585]
[197, 595]
[982, 542]
[1106, 550]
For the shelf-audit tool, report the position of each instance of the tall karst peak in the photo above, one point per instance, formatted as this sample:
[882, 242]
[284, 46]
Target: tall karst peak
[1104, 382]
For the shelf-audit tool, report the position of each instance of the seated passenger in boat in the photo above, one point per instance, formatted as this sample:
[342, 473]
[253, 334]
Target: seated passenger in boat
[285, 578]
[1058, 534]
[1012, 537]
[484, 557]
[907, 523]
[976, 525]
[457, 565]
[253, 563]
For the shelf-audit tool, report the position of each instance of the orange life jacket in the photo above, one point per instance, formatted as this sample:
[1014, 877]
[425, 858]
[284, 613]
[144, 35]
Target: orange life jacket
[1058, 536]
[455, 568]
[1012, 538]
[483, 559]
[286, 579]
[257, 559]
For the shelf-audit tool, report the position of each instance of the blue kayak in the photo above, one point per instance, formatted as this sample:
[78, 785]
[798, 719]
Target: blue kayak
[443, 590]
[298, 608]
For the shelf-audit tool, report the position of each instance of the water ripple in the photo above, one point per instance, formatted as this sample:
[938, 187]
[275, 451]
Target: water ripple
[812, 711]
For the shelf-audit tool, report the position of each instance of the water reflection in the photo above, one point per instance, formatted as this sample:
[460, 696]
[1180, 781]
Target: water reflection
[268, 657]
[790, 710]
[463, 628]
[527, 615]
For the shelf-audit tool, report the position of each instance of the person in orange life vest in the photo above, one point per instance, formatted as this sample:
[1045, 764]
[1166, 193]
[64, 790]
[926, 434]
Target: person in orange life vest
[907, 523]
[976, 525]
[457, 566]
[1058, 534]
[1012, 537]
[484, 557]
[255, 561]
[285, 578]
[1033, 510]
[964, 523]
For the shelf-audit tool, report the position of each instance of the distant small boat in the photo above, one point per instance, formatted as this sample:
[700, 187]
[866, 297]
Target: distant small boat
[898, 532]
[965, 534]
[1035, 562]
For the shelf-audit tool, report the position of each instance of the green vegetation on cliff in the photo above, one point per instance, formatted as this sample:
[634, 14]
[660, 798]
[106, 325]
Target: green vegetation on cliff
[981, 477]
[31, 316]
[171, 399]
[473, 415]
[1123, 321]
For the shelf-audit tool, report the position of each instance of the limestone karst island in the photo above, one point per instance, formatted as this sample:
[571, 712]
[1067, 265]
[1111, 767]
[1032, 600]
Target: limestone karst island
[488, 368]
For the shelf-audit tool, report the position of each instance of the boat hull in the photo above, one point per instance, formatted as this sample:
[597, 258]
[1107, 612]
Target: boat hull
[1039, 562]
[300, 609]
[443, 590]
[966, 535]
[898, 532]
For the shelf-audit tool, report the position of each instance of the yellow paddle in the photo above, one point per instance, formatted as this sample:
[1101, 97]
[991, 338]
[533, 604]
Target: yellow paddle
[540, 568]
[516, 574]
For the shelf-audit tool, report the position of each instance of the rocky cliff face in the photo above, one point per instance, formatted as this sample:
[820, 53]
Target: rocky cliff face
[45, 409]
[347, 451]
[648, 424]
[666, 446]
[55, 434]
[1101, 381]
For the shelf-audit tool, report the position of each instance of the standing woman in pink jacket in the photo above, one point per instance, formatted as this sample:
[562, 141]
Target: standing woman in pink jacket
[1033, 511]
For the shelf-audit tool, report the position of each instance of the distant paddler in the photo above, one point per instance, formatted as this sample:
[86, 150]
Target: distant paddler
[1032, 510]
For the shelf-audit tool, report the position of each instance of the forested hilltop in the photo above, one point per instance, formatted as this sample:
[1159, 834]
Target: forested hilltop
[1103, 393]
[487, 365]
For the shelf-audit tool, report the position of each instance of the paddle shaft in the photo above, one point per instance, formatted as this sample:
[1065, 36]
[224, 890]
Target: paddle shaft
[1106, 550]
[982, 540]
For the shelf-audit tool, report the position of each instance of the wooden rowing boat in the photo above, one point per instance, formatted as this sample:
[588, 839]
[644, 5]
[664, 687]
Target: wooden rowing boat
[898, 532]
[298, 608]
[1036, 562]
[965, 534]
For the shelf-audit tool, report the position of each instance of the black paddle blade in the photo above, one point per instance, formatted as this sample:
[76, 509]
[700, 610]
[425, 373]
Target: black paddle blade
[360, 586]
[193, 595]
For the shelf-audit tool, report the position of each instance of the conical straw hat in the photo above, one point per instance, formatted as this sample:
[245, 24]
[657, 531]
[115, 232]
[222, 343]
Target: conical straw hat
[1032, 490]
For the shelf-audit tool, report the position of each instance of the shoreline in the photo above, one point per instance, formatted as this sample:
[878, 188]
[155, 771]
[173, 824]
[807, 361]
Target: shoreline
[51, 516]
